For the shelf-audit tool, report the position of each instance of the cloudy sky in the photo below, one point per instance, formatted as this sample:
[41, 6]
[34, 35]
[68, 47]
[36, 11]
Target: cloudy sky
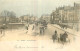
[33, 7]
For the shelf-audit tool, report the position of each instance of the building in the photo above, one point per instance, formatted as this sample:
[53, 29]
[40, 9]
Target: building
[24, 18]
[67, 15]
[45, 17]
[28, 19]
[55, 18]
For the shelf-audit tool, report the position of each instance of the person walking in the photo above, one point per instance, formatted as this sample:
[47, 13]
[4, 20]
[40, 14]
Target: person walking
[33, 27]
[65, 35]
[54, 36]
[27, 27]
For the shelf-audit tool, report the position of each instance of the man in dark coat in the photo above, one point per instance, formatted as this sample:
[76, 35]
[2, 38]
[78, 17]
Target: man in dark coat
[65, 35]
[54, 37]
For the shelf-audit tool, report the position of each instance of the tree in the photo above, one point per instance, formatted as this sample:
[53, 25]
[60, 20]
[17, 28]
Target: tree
[7, 14]
[12, 14]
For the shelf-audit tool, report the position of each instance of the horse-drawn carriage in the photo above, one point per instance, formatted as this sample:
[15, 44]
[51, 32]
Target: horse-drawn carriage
[61, 38]
[43, 26]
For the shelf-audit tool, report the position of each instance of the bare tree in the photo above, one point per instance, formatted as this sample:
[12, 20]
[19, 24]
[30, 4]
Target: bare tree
[6, 13]
[12, 14]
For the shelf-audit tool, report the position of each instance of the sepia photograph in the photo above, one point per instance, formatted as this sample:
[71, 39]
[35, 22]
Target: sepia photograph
[39, 25]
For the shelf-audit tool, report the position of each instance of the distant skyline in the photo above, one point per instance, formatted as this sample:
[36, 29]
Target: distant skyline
[34, 7]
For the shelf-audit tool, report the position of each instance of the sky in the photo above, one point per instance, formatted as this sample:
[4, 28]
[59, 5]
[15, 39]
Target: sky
[34, 7]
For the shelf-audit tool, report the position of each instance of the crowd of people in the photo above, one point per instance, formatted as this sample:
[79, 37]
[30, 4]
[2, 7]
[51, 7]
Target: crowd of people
[61, 38]
[39, 29]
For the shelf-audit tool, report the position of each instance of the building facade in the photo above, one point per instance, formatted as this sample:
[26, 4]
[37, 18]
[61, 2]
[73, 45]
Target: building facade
[27, 18]
[46, 18]
[68, 15]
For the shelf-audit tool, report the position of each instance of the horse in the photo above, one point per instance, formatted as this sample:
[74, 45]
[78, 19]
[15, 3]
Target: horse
[63, 38]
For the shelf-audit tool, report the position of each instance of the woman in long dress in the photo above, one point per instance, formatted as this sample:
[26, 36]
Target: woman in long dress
[35, 30]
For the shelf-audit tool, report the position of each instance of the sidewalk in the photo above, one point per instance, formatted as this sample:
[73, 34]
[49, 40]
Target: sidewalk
[68, 30]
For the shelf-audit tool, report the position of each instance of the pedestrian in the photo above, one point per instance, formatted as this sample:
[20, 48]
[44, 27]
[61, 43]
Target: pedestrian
[61, 38]
[40, 30]
[33, 27]
[43, 30]
[54, 36]
[27, 27]
[65, 35]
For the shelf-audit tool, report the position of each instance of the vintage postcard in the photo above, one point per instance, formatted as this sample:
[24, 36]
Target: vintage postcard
[39, 25]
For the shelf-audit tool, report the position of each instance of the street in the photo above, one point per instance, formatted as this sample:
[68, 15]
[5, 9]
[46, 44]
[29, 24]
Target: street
[44, 43]
[20, 34]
